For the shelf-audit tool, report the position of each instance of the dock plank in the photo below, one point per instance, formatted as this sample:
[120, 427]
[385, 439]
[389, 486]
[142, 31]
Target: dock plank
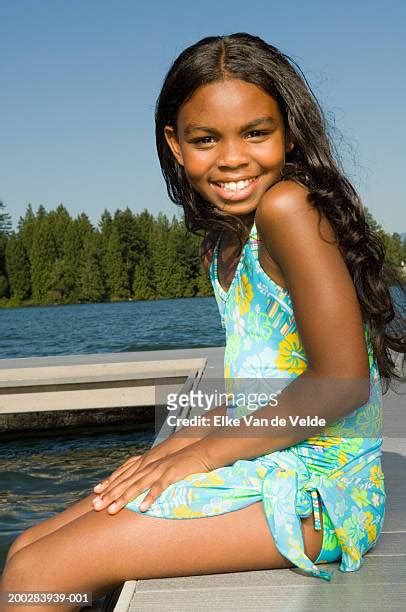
[279, 589]
[288, 599]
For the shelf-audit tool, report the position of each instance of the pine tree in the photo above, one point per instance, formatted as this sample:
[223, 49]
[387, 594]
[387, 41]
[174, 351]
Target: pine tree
[394, 249]
[5, 221]
[43, 257]
[25, 228]
[60, 220]
[105, 222]
[116, 272]
[393, 246]
[175, 260]
[4, 281]
[90, 278]
[374, 225]
[5, 232]
[159, 268]
[71, 250]
[18, 268]
[126, 225]
[143, 288]
[105, 226]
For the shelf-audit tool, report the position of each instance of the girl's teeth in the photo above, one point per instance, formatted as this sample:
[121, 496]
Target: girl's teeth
[236, 186]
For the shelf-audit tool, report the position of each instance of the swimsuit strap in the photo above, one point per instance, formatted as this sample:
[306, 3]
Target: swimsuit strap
[220, 293]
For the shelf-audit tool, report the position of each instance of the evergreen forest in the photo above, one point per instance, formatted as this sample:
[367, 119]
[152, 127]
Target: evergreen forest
[52, 258]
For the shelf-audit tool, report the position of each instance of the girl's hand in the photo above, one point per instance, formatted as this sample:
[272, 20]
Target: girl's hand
[167, 447]
[156, 476]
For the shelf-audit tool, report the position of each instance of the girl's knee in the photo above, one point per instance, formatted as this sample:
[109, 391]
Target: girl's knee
[21, 541]
[47, 526]
[18, 573]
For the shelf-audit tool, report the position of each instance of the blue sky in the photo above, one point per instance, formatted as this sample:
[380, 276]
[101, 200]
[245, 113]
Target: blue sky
[79, 80]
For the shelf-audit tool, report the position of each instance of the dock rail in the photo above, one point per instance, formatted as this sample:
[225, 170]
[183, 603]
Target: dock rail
[37, 394]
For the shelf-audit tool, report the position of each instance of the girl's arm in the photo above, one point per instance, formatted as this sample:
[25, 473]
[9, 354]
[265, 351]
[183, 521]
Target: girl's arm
[335, 378]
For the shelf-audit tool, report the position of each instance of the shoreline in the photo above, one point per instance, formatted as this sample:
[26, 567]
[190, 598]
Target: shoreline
[29, 304]
[6, 305]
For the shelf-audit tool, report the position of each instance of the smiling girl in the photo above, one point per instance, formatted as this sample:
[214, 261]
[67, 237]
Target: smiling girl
[303, 295]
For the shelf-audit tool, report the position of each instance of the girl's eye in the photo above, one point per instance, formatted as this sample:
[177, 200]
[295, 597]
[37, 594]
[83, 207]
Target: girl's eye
[258, 133]
[206, 139]
[202, 140]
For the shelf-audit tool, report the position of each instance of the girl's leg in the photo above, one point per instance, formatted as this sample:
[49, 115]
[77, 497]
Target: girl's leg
[97, 551]
[51, 524]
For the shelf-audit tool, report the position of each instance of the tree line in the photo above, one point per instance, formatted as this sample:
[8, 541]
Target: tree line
[52, 258]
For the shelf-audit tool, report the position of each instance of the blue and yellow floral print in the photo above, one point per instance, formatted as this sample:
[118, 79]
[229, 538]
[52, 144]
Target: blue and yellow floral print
[342, 465]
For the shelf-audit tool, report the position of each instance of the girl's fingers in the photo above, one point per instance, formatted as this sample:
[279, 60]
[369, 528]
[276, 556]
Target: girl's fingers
[154, 492]
[122, 469]
[121, 501]
[121, 495]
[102, 501]
[126, 473]
[131, 483]
[118, 483]
[131, 459]
[111, 481]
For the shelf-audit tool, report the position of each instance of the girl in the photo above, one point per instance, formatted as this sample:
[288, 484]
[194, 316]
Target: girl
[303, 294]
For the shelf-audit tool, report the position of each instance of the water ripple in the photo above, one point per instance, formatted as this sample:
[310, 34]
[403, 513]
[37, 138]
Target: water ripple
[110, 327]
[40, 477]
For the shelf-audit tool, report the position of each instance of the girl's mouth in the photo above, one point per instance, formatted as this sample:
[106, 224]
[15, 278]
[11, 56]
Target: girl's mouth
[235, 191]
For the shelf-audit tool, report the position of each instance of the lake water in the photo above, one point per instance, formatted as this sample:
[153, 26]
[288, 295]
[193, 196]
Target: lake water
[40, 477]
[110, 328]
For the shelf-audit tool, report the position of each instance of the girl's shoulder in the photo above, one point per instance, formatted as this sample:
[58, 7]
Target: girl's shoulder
[284, 203]
[289, 195]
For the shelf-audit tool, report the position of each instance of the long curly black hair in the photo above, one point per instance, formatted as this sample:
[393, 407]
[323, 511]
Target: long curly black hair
[314, 162]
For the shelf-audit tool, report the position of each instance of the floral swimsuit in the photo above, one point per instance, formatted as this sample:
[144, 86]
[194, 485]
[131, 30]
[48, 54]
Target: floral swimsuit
[341, 469]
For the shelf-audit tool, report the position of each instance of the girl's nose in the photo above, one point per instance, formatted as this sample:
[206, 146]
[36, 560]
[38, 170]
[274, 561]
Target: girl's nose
[232, 155]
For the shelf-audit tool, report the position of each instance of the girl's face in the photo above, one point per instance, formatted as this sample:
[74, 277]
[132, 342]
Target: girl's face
[231, 141]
